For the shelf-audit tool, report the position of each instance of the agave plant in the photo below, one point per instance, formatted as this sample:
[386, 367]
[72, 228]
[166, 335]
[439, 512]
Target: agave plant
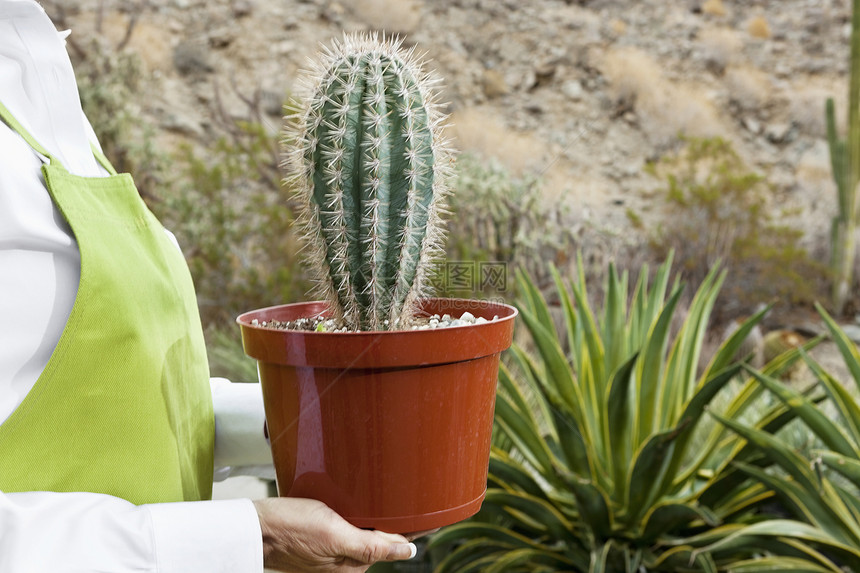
[598, 468]
[824, 492]
[369, 161]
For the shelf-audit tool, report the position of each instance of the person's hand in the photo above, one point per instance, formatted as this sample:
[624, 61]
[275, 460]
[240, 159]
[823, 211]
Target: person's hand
[304, 535]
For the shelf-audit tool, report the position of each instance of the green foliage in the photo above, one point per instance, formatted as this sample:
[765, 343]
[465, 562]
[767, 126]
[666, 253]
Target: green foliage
[369, 164]
[499, 218]
[845, 163]
[110, 82]
[223, 204]
[822, 491]
[226, 357]
[717, 211]
[600, 471]
[232, 222]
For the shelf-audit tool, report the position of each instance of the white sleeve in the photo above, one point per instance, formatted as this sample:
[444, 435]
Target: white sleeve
[43, 532]
[240, 446]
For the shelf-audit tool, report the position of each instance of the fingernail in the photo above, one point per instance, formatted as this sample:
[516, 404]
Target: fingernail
[413, 551]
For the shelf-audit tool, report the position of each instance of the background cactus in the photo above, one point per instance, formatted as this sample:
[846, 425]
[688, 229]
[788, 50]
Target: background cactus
[367, 157]
[845, 163]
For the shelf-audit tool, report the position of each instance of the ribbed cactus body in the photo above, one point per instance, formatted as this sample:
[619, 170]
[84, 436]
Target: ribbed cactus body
[845, 164]
[369, 166]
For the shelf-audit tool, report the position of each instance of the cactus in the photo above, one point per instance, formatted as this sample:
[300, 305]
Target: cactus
[845, 164]
[367, 157]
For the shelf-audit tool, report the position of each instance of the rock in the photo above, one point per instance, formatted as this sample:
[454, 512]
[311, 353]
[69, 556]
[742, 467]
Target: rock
[814, 20]
[535, 107]
[72, 7]
[334, 13]
[572, 90]
[528, 80]
[494, 84]
[242, 8]
[852, 331]
[631, 168]
[221, 38]
[545, 71]
[778, 132]
[815, 46]
[782, 178]
[815, 66]
[751, 125]
[782, 70]
[272, 103]
[285, 47]
[181, 124]
[190, 58]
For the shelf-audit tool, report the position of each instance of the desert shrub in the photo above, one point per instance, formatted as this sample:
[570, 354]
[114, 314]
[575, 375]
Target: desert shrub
[716, 209]
[758, 27]
[109, 83]
[500, 222]
[719, 48]
[226, 357]
[748, 88]
[632, 76]
[232, 219]
[480, 133]
[224, 202]
[112, 81]
[233, 223]
[714, 7]
[664, 107]
[396, 17]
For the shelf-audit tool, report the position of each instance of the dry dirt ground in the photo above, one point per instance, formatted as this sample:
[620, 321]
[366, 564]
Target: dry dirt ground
[581, 92]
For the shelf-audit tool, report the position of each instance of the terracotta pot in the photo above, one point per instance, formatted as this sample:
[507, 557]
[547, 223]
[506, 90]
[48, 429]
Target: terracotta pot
[390, 429]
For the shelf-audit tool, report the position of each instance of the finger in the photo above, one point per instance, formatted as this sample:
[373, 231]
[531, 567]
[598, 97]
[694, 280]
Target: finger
[391, 537]
[372, 546]
[398, 541]
[402, 552]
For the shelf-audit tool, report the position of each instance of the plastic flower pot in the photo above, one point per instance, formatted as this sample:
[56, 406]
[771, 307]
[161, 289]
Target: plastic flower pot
[390, 429]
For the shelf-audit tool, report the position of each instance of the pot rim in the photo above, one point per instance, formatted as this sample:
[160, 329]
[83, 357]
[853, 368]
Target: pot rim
[467, 304]
[378, 349]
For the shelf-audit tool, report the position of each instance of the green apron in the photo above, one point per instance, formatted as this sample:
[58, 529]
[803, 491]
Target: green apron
[123, 406]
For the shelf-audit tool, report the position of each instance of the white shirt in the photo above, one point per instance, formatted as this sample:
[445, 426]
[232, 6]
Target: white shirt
[39, 274]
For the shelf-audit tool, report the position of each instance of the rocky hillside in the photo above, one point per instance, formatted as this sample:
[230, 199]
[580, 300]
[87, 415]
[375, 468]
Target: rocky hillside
[582, 92]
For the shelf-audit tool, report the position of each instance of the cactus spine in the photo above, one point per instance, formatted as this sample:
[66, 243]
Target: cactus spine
[368, 160]
[845, 164]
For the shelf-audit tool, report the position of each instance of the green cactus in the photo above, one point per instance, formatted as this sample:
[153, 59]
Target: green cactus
[367, 157]
[845, 164]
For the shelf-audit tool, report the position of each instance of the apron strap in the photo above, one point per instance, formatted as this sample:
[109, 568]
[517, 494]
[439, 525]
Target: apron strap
[16, 126]
[102, 159]
[7, 117]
